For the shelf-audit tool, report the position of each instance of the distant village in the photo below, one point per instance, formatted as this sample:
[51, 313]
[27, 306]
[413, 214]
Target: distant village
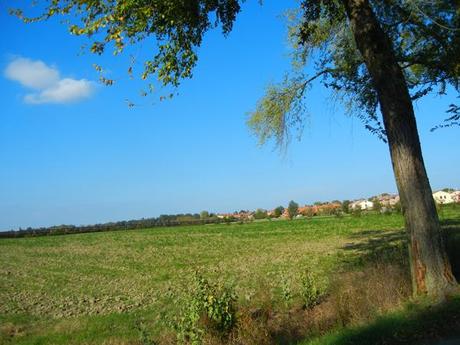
[384, 202]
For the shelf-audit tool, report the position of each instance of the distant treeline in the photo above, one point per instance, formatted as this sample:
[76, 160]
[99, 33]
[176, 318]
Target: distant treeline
[163, 220]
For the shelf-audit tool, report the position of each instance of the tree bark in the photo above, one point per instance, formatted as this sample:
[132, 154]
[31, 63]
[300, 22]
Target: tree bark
[430, 266]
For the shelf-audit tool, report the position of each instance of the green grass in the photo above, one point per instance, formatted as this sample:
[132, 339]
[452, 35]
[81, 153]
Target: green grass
[420, 323]
[94, 288]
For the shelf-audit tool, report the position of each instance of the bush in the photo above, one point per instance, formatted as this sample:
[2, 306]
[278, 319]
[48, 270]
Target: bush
[286, 289]
[260, 214]
[208, 309]
[377, 205]
[277, 212]
[357, 212]
[310, 290]
[204, 214]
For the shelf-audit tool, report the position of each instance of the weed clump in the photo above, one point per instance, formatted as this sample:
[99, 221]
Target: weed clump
[286, 289]
[310, 290]
[208, 309]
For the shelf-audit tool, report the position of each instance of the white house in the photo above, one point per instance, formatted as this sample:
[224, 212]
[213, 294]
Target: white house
[362, 204]
[441, 197]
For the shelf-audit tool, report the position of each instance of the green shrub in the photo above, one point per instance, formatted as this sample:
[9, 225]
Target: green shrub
[278, 211]
[286, 289]
[209, 308]
[310, 290]
[260, 214]
[357, 212]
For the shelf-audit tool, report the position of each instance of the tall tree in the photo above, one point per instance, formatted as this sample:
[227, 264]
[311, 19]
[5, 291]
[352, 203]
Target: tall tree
[431, 271]
[389, 49]
[293, 209]
[372, 53]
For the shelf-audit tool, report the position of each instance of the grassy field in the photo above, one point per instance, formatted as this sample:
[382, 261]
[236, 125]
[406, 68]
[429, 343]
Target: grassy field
[96, 288]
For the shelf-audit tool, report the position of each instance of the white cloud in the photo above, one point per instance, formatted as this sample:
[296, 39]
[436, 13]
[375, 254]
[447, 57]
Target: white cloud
[33, 74]
[64, 91]
[47, 83]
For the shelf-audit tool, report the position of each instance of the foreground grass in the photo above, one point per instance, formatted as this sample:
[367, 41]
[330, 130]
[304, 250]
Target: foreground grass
[95, 288]
[419, 323]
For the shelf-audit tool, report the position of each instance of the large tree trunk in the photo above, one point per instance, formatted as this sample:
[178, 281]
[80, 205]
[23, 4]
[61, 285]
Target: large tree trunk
[431, 270]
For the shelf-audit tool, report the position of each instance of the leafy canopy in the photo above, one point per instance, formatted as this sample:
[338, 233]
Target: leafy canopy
[176, 28]
[425, 37]
[426, 41]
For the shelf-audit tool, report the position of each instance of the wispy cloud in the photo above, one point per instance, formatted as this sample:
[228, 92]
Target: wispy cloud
[47, 83]
[64, 91]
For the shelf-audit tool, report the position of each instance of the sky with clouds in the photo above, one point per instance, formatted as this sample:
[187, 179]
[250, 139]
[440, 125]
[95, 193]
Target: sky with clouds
[45, 82]
[74, 152]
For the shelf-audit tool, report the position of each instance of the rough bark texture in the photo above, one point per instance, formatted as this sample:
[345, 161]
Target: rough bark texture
[431, 270]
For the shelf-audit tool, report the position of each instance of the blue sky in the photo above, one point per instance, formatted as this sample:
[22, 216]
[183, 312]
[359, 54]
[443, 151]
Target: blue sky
[73, 152]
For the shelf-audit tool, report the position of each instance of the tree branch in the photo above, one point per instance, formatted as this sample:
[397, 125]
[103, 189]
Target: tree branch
[316, 76]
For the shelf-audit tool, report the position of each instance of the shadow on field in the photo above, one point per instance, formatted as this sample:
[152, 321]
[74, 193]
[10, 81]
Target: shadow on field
[375, 280]
[453, 248]
[372, 246]
[450, 222]
[435, 325]
[376, 263]
[374, 241]
[375, 246]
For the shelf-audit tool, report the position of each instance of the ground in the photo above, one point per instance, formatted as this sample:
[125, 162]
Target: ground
[97, 288]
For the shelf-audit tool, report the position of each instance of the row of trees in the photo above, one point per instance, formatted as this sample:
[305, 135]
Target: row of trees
[204, 217]
[163, 220]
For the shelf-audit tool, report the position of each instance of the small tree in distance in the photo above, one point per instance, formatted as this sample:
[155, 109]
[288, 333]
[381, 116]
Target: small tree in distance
[204, 214]
[277, 212]
[377, 205]
[346, 206]
[293, 209]
[260, 214]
